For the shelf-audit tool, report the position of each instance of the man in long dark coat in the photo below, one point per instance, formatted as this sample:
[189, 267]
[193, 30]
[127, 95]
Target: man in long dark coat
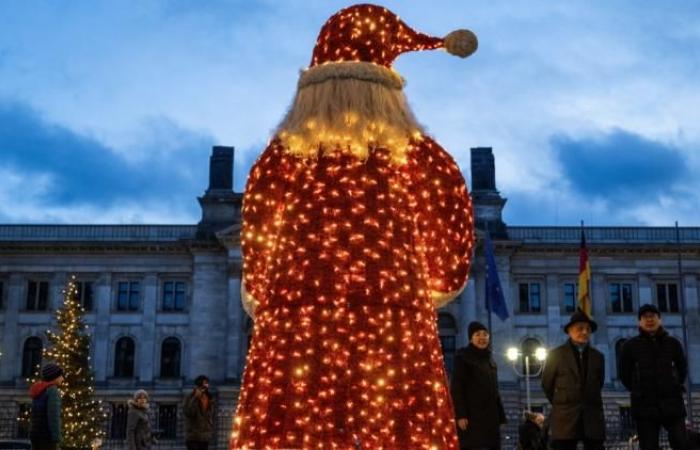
[573, 379]
[653, 368]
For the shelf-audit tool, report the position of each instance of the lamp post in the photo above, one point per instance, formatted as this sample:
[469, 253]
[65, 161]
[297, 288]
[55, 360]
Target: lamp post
[540, 354]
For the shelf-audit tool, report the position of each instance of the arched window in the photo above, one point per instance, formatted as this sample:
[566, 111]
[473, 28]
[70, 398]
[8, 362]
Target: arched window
[618, 354]
[447, 330]
[31, 356]
[124, 358]
[528, 348]
[170, 358]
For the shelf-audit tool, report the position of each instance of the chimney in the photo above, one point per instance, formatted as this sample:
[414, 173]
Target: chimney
[221, 207]
[221, 169]
[487, 201]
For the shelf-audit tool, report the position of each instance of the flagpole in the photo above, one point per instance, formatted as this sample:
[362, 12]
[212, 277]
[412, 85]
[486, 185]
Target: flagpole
[681, 286]
[486, 284]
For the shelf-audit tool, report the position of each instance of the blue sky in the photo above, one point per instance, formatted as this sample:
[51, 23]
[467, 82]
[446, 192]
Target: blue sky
[109, 109]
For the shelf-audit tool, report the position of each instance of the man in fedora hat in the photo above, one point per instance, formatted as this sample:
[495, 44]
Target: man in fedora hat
[572, 379]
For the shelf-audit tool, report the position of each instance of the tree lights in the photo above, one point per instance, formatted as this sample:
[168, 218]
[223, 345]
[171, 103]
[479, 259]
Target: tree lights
[82, 416]
[355, 226]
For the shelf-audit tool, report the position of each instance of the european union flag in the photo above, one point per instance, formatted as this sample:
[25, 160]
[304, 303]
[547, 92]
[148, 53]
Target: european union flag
[495, 302]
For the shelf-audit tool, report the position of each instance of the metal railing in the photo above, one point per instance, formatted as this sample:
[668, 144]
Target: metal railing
[604, 235]
[96, 233]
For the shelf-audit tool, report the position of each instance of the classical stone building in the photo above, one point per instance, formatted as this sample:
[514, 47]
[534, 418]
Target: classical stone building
[163, 301]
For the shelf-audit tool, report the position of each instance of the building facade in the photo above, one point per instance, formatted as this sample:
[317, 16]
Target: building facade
[163, 301]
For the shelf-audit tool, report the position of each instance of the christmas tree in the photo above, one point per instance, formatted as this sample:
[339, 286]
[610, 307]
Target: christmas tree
[82, 415]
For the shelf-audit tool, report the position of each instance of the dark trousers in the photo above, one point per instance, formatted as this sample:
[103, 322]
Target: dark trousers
[648, 433]
[39, 445]
[197, 445]
[570, 444]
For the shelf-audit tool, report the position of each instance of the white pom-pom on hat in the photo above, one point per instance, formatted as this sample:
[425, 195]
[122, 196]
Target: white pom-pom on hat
[461, 43]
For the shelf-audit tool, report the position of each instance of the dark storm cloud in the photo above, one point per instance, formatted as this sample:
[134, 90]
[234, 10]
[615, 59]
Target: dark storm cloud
[621, 166]
[84, 171]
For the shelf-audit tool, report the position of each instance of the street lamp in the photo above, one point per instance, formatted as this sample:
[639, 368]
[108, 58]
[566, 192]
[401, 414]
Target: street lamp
[540, 354]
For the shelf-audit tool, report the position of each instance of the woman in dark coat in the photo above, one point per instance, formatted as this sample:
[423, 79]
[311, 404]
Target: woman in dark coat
[478, 408]
[138, 427]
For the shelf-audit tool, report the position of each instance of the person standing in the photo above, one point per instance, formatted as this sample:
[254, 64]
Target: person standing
[474, 388]
[45, 424]
[653, 368]
[199, 415]
[138, 426]
[572, 380]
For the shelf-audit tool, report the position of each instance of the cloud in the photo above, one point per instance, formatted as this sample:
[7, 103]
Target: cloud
[621, 166]
[51, 168]
[137, 79]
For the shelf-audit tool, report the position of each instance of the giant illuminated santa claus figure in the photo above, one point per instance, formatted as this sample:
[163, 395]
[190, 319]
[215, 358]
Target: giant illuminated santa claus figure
[356, 226]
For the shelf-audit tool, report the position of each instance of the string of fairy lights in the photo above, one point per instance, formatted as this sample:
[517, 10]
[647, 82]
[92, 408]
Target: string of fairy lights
[352, 233]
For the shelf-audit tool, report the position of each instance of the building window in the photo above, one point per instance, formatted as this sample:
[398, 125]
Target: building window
[447, 330]
[528, 348]
[170, 358]
[31, 356]
[23, 420]
[667, 297]
[37, 295]
[570, 297]
[128, 295]
[117, 424]
[167, 421]
[174, 296]
[621, 297]
[84, 294]
[618, 355]
[530, 298]
[124, 358]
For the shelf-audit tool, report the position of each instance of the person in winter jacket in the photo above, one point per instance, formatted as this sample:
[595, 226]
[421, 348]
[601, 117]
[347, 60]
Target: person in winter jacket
[45, 425]
[532, 434]
[572, 380]
[138, 426]
[474, 388]
[653, 368]
[199, 415]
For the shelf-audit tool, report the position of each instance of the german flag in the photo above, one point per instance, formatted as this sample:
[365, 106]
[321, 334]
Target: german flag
[584, 278]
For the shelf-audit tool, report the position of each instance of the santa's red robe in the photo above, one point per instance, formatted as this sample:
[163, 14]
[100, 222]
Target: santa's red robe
[345, 258]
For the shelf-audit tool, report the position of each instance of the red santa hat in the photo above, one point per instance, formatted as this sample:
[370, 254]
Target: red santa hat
[350, 97]
[371, 33]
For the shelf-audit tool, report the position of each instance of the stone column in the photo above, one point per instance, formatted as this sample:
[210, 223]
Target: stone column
[208, 323]
[692, 304]
[467, 310]
[11, 359]
[100, 333]
[645, 288]
[553, 309]
[601, 337]
[235, 341]
[145, 353]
